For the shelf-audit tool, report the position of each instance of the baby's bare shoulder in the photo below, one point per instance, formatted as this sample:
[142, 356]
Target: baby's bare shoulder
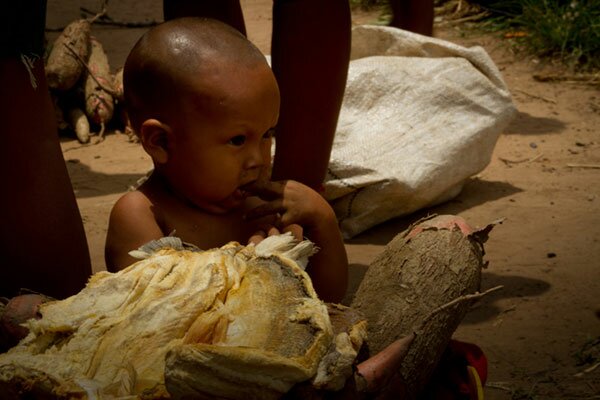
[135, 209]
[134, 201]
[132, 223]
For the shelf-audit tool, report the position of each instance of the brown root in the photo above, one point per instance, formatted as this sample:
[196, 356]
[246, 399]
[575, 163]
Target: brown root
[436, 262]
[63, 68]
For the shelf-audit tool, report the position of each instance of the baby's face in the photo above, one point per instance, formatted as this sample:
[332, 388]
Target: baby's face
[224, 142]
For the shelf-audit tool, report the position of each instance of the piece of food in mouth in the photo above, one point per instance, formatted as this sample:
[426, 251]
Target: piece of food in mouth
[234, 322]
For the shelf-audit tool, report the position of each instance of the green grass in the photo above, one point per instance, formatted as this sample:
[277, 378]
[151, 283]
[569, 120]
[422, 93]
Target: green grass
[367, 4]
[563, 30]
[382, 6]
[568, 31]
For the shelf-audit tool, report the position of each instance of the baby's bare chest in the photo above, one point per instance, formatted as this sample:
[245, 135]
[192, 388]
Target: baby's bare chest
[211, 230]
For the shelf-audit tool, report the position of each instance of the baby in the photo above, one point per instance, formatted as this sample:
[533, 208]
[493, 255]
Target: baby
[204, 103]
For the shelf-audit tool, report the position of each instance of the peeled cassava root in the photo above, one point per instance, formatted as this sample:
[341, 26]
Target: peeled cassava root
[431, 264]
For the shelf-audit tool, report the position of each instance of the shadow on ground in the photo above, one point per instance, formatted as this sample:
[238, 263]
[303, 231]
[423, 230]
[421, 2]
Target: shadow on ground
[527, 124]
[88, 183]
[475, 192]
[514, 286]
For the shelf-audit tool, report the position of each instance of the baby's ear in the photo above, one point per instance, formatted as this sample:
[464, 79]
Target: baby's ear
[154, 136]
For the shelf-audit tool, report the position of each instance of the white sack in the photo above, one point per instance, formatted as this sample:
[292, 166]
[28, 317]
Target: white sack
[420, 116]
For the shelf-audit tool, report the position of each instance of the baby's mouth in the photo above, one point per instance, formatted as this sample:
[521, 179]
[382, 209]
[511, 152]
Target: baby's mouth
[241, 192]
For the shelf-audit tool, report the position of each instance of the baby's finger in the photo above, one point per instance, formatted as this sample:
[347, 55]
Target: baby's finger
[272, 208]
[266, 190]
[296, 231]
[273, 231]
[257, 237]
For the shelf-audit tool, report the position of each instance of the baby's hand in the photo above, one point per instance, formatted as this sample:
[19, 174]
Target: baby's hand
[261, 235]
[292, 203]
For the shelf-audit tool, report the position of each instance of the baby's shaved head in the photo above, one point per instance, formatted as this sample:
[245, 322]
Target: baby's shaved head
[168, 57]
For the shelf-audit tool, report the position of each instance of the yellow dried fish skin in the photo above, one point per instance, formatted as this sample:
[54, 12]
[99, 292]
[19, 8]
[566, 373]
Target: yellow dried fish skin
[227, 312]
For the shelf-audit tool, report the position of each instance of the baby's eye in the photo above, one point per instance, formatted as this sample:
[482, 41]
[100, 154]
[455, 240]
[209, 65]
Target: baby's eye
[269, 134]
[238, 140]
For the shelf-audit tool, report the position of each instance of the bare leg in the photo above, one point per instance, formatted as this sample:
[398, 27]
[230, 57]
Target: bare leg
[228, 11]
[311, 51]
[413, 15]
[43, 241]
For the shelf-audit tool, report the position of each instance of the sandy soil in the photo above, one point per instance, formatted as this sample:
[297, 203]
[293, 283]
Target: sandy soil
[546, 253]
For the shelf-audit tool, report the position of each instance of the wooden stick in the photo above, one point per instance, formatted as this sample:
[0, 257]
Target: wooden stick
[535, 158]
[508, 161]
[498, 385]
[474, 17]
[107, 20]
[458, 7]
[522, 160]
[536, 96]
[94, 19]
[101, 13]
[590, 166]
[75, 148]
[461, 299]
[587, 370]
[125, 24]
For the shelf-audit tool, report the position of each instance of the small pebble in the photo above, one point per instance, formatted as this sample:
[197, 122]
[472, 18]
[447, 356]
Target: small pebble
[551, 255]
[533, 145]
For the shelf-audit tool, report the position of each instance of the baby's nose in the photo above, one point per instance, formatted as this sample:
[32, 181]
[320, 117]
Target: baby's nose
[255, 159]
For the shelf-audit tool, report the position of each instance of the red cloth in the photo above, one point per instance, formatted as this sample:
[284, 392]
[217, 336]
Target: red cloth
[474, 356]
[451, 380]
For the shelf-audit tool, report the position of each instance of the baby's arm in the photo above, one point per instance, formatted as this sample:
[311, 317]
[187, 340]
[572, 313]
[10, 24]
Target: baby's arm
[299, 204]
[132, 224]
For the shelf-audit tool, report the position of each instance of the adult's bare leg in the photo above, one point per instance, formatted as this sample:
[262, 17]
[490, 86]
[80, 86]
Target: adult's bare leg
[42, 236]
[311, 52]
[413, 15]
[228, 11]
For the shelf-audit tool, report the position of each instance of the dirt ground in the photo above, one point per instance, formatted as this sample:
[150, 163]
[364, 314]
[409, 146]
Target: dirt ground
[544, 179]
